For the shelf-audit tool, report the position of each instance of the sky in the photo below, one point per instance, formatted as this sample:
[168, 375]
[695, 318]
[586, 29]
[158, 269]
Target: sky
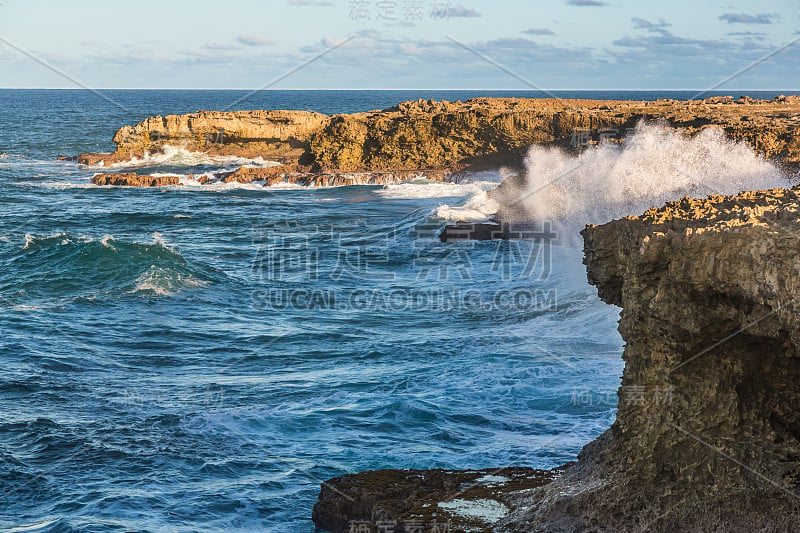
[401, 44]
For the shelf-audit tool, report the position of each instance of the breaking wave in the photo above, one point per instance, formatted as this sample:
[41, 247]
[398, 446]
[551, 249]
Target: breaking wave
[81, 265]
[479, 208]
[428, 189]
[656, 165]
[173, 156]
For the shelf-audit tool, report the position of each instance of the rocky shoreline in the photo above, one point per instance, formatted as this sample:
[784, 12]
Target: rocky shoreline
[707, 435]
[439, 139]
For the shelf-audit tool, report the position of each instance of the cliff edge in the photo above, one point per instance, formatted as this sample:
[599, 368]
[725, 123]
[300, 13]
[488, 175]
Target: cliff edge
[707, 436]
[423, 135]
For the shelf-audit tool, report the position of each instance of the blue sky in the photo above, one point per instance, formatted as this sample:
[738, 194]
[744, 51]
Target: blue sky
[397, 44]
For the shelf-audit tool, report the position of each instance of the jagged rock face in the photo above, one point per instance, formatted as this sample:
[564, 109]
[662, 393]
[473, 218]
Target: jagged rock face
[444, 135]
[416, 500]
[707, 436]
[130, 179]
[274, 135]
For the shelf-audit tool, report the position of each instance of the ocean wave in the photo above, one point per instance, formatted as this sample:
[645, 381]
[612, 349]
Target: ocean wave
[10, 159]
[179, 157]
[655, 165]
[479, 208]
[61, 185]
[164, 282]
[429, 189]
[60, 264]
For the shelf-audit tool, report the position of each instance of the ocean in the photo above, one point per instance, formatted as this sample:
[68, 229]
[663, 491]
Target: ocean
[202, 358]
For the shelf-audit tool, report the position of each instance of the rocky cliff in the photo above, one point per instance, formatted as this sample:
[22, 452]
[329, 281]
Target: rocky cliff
[484, 132]
[707, 436]
[274, 135]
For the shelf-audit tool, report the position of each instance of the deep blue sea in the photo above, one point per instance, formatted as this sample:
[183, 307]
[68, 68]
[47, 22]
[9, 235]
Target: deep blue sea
[202, 358]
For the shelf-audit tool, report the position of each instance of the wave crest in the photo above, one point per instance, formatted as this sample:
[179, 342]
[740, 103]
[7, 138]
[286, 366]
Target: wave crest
[173, 156]
[657, 164]
[81, 265]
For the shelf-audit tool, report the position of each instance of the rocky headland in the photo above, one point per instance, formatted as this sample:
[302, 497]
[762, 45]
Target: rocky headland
[440, 140]
[707, 436]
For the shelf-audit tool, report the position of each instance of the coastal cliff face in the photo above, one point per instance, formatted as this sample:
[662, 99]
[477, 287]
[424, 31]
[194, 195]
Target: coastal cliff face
[427, 135]
[707, 435]
[274, 135]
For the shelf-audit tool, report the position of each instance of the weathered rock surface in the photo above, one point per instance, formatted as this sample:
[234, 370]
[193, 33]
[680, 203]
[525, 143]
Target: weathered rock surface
[484, 132]
[130, 179]
[274, 135]
[707, 436]
[411, 499]
[291, 174]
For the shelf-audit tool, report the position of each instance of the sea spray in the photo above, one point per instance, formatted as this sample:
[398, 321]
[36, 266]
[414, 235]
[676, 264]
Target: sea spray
[180, 157]
[655, 165]
[477, 209]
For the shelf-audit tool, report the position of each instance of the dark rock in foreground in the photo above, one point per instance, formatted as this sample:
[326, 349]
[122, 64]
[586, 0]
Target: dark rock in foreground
[408, 501]
[489, 231]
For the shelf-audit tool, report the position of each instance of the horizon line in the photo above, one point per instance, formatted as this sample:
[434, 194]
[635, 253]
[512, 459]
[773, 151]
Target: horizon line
[361, 89]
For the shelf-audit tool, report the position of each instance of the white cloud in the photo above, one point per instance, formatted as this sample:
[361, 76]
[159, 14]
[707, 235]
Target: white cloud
[314, 3]
[539, 31]
[586, 3]
[254, 40]
[643, 24]
[744, 18]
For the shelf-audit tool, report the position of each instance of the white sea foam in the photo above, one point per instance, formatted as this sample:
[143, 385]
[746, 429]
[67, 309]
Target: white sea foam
[35, 526]
[486, 510]
[107, 241]
[175, 156]
[33, 240]
[657, 164]
[63, 185]
[479, 208]
[158, 240]
[164, 282]
[283, 186]
[428, 189]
